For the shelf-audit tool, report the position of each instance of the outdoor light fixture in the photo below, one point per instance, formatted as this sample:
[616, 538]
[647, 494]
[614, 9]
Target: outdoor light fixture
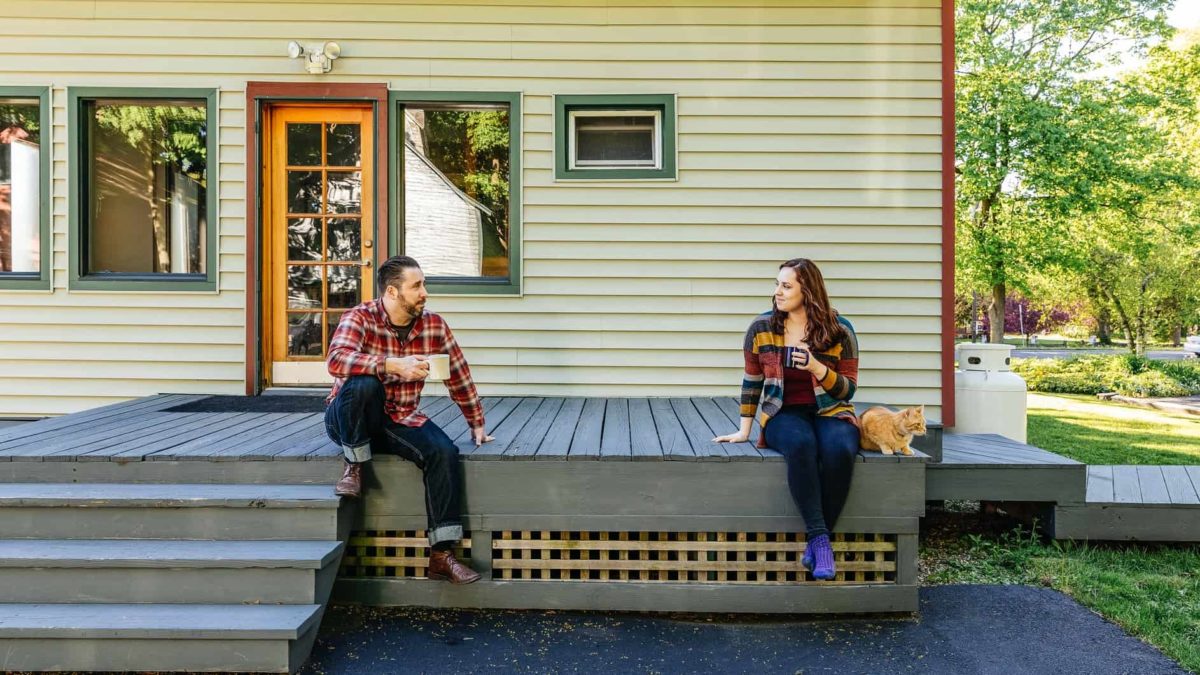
[316, 61]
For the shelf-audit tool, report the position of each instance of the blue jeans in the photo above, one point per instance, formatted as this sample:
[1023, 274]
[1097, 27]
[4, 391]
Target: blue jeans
[820, 454]
[356, 421]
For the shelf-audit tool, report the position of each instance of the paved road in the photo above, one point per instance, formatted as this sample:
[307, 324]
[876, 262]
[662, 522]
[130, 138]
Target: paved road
[1171, 355]
[961, 629]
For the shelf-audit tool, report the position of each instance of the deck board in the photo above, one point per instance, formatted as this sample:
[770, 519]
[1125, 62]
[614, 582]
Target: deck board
[1100, 484]
[1153, 485]
[698, 433]
[992, 467]
[505, 432]
[615, 440]
[586, 442]
[526, 443]
[674, 441]
[1179, 485]
[557, 443]
[644, 443]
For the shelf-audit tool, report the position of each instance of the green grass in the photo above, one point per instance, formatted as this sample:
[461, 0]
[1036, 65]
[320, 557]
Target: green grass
[1090, 438]
[1153, 592]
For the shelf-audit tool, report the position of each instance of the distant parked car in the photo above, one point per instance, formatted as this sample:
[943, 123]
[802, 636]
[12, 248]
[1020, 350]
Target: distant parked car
[1192, 346]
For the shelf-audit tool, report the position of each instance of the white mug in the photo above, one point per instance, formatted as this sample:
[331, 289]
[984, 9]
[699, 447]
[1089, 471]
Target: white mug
[439, 367]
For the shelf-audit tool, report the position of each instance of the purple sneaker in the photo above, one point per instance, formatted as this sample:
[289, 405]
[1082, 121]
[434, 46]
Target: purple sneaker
[823, 558]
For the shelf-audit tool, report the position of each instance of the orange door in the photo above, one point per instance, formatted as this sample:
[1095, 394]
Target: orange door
[318, 232]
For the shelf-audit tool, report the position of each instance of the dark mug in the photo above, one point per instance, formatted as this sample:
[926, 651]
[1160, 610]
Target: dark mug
[789, 354]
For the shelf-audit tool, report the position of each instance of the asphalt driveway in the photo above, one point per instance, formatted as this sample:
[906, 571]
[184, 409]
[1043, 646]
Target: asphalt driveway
[961, 629]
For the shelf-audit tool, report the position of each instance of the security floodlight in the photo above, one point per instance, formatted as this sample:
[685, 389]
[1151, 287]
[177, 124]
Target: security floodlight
[316, 61]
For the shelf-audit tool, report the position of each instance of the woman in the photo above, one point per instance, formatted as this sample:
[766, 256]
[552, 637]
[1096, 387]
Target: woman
[802, 362]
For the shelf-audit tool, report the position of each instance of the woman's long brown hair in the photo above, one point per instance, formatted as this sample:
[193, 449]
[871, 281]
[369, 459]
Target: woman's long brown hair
[823, 327]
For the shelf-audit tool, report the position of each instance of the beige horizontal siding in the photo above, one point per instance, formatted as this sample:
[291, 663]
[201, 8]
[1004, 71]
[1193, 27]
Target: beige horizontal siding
[806, 128]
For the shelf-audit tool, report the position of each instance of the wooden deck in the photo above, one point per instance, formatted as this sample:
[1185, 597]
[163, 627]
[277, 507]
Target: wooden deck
[586, 503]
[1143, 503]
[995, 468]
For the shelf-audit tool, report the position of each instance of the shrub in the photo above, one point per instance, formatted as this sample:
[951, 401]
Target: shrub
[1127, 375]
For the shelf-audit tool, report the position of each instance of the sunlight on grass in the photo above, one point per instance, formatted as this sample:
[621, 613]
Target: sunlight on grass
[1093, 438]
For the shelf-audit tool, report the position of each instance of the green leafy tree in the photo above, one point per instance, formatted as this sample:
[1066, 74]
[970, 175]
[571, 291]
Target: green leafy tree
[1037, 141]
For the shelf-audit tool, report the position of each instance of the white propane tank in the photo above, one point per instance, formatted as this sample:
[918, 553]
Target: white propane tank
[988, 397]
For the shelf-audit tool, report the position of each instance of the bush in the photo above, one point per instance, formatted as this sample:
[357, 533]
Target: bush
[1127, 375]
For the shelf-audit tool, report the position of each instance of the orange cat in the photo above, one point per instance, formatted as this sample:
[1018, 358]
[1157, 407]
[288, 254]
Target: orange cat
[890, 432]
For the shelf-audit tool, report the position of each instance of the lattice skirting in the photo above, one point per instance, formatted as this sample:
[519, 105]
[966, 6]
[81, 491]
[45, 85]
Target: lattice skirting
[402, 554]
[665, 557]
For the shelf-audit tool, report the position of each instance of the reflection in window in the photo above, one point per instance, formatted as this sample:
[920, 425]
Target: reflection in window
[146, 181]
[456, 188]
[20, 186]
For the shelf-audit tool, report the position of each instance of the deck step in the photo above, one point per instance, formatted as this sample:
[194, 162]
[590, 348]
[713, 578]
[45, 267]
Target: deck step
[162, 511]
[164, 571]
[1134, 503]
[204, 638]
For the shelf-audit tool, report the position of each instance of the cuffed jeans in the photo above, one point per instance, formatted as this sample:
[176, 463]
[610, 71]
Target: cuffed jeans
[355, 420]
[820, 453]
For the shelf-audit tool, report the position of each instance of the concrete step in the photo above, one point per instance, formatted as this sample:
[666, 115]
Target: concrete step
[167, 571]
[198, 638]
[168, 511]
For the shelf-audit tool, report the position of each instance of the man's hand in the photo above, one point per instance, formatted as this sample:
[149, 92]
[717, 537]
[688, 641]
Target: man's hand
[409, 368]
[481, 437]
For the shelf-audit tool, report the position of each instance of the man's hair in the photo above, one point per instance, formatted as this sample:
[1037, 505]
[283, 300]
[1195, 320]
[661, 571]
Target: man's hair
[391, 272]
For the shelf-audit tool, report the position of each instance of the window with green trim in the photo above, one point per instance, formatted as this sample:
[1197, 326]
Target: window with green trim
[456, 172]
[143, 205]
[615, 137]
[24, 188]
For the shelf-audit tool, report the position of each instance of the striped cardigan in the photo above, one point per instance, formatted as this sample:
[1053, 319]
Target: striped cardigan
[764, 374]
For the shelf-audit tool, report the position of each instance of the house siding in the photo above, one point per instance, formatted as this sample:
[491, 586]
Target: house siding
[805, 128]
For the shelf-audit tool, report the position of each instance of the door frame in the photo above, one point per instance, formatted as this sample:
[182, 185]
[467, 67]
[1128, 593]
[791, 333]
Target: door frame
[258, 96]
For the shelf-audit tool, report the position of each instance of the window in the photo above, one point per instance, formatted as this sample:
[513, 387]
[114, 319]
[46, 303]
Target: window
[143, 211]
[24, 192]
[456, 173]
[607, 137]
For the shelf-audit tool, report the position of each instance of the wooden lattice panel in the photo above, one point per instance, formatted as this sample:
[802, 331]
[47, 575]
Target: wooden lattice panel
[685, 557]
[401, 554]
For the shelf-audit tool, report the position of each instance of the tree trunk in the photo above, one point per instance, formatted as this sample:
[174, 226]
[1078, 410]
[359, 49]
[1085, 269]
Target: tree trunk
[1126, 324]
[1177, 336]
[996, 315]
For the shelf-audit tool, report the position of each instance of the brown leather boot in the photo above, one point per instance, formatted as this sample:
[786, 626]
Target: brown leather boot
[351, 483]
[443, 566]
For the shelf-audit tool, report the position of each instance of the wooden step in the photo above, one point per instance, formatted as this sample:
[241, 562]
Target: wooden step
[1135, 503]
[150, 570]
[159, 511]
[199, 638]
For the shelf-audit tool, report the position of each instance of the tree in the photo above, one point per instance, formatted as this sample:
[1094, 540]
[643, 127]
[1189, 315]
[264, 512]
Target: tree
[1038, 142]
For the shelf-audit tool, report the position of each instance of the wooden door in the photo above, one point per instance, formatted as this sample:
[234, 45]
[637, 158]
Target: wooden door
[318, 232]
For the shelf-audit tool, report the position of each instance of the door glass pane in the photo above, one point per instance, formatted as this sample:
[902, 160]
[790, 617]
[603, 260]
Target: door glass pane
[344, 145]
[20, 185]
[304, 287]
[304, 334]
[304, 192]
[304, 144]
[304, 239]
[345, 241]
[345, 192]
[344, 291]
[456, 189]
[331, 320]
[145, 185]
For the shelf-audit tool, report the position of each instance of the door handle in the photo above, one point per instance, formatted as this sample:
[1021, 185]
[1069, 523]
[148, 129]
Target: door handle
[365, 263]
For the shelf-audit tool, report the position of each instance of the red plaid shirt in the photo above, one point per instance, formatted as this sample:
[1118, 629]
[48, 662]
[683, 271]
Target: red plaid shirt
[364, 340]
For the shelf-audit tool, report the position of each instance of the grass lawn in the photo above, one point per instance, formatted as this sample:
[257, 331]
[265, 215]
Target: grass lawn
[1125, 435]
[1152, 591]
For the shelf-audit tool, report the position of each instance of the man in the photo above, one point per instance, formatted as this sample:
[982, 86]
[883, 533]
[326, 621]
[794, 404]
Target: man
[379, 357]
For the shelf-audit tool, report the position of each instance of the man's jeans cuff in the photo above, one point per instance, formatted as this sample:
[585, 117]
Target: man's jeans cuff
[445, 533]
[357, 455]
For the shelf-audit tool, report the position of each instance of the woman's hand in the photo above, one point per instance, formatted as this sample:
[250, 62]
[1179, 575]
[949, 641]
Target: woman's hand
[736, 437]
[803, 358]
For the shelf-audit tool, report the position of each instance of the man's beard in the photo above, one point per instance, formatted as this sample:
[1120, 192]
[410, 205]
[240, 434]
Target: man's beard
[413, 311]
